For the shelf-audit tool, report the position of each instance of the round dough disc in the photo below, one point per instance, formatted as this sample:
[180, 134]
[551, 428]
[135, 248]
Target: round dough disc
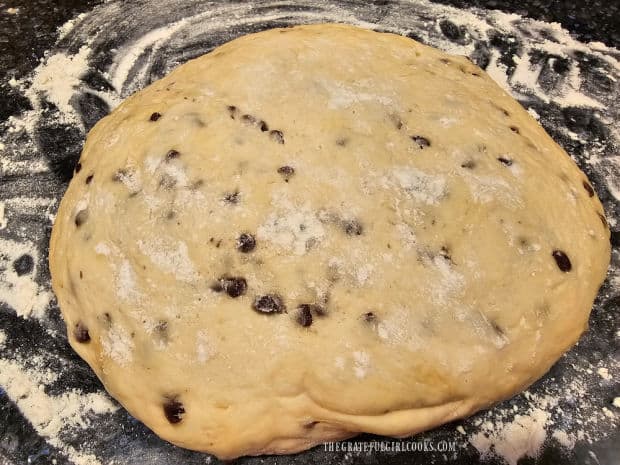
[318, 231]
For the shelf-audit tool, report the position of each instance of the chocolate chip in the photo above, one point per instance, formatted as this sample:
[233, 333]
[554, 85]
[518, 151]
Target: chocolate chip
[161, 330]
[469, 164]
[174, 410]
[81, 218]
[422, 142]
[155, 116]
[81, 274]
[369, 317]
[562, 260]
[304, 316]
[23, 265]
[310, 424]
[263, 126]
[318, 310]
[287, 172]
[233, 111]
[120, 174]
[353, 228]
[232, 285]
[80, 332]
[497, 328]
[246, 243]
[277, 136]
[172, 154]
[505, 112]
[269, 303]
[232, 197]
[249, 119]
[445, 253]
[603, 220]
[78, 167]
[588, 188]
[514, 129]
[89, 178]
[505, 161]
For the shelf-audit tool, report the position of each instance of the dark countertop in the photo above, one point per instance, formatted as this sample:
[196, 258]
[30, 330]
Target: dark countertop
[24, 39]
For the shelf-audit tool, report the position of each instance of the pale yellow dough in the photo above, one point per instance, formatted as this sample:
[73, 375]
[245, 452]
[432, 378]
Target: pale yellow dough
[422, 193]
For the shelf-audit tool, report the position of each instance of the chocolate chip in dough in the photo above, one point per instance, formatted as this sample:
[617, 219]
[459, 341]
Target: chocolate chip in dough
[174, 410]
[233, 111]
[172, 154]
[269, 303]
[588, 188]
[80, 332]
[562, 261]
[287, 172]
[232, 197]
[277, 136]
[246, 243]
[353, 228]
[316, 309]
[422, 142]
[155, 116]
[505, 161]
[234, 286]
[369, 317]
[81, 218]
[304, 315]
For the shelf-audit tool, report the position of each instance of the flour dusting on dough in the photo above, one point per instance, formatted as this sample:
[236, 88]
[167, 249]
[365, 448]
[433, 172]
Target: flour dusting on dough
[166, 43]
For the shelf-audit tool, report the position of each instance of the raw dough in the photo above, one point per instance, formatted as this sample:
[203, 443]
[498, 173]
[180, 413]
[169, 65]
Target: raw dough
[318, 231]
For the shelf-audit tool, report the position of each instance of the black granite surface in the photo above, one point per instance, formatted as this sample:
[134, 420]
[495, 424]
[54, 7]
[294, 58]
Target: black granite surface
[23, 40]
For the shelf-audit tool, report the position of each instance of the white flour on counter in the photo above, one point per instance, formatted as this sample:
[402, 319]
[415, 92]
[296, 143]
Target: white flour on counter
[165, 35]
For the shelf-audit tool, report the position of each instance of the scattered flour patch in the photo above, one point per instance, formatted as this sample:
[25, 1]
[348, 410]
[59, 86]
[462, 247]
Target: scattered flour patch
[58, 77]
[22, 293]
[117, 345]
[51, 415]
[523, 437]
[294, 229]
[565, 440]
[423, 187]
[449, 283]
[204, 347]
[102, 249]
[126, 282]
[361, 363]
[3, 220]
[171, 257]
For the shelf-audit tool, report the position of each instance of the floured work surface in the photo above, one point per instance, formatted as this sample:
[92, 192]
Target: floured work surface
[536, 421]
